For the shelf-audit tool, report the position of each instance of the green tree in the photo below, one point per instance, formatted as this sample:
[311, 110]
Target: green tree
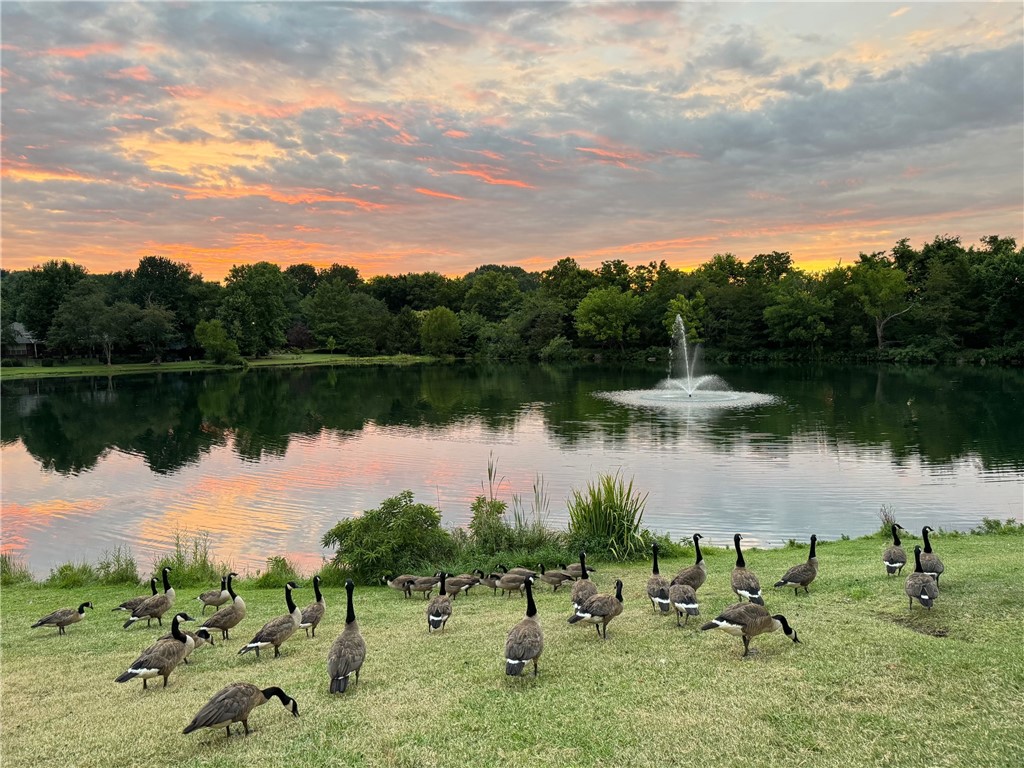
[693, 313]
[217, 345]
[882, 291]
[156, 329]
[254, 309]
[798, 313]
[440, 331]
[495, 295]
[568, 282]
[73, 329]
[43, 291]
[605, 315]
[115, 325]
[304, 277]
[327, 311]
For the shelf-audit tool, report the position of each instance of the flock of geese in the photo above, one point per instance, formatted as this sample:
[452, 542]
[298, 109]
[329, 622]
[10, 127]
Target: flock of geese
[524, 645]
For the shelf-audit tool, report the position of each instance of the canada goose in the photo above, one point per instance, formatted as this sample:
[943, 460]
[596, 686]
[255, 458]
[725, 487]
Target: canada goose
[657, 586]
[424, 584]
[233, 704]
[525, 641]
[920, 585]
[62, 617]
[457, 585]
[584, 588]
[400, 583]
[600, 609]
[554, 578]
[348, 649]
[576, 569]
[230, 617]
[156, 606]
[695, 574]
[517, 571]
[489, 580]
[894, 557]
[744, 582]
[216, 597]
[803, 574]
[163, 656]
[683, 598]
[135, 602]
[929, 560]
[200, 638]
[276, 631]
[511, 582]
[440, 608]
[314, 612]
[748, 620]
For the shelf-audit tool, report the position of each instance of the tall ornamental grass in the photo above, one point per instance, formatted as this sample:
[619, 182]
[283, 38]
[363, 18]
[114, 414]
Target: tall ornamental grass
[607, 518]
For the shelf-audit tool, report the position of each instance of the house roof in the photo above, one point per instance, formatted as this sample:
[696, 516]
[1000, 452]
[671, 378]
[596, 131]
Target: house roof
[21, 334]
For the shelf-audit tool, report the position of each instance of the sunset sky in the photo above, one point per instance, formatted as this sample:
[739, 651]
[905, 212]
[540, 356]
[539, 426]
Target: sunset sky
[407, 137]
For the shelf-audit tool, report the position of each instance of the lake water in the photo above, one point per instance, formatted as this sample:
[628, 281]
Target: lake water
[267, 460]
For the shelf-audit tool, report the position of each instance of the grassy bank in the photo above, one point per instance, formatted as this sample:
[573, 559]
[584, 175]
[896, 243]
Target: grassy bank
[872, 683]
[287, 360]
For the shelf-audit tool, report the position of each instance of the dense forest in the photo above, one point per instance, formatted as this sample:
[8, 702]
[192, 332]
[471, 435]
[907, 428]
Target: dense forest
[941, 302]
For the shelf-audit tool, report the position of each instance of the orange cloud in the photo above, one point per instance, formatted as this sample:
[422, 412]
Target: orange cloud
[435, 193]
[454, 134]
[484, 174]
[96, 49]
[140, 73]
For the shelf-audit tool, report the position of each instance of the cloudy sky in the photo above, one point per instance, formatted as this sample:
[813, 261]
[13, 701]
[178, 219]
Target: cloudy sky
[409, 136]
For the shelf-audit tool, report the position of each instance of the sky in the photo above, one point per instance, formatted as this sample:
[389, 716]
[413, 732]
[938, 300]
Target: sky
[412, 137]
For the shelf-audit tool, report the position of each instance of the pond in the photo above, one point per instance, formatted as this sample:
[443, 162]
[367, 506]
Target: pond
[268, 459]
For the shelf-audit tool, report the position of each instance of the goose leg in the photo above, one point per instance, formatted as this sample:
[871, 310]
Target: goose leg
[245, 723]
[746, 645]
[535, 667]
[228, 728]
[143, 683]
[277, 651]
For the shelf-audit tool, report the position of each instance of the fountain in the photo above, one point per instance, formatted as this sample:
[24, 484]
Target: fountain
[685, 388]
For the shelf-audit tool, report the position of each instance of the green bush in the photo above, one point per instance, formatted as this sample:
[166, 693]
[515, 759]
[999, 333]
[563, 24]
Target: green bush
[71, 576]
[118, 567]
[990, 525]
[399, 536]
[331, 575]
[279, 572]
[192, 561]
[559, 349]
[490, 532]
[607, 517]
[13, 570]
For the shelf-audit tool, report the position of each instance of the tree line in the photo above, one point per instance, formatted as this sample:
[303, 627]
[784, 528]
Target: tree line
[941, 301]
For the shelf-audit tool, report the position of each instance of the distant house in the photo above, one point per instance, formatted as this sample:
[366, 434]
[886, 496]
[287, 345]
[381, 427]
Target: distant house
[24, 344]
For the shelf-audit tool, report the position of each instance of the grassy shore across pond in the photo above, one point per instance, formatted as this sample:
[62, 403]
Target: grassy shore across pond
[271, 361]
[871, 683]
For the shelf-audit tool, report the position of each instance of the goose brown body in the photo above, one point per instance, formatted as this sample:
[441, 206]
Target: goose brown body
[930, 562]
[216, 597]
[155, 606]
[63, 617]
[583, 589]
[424, 584]
[683, 598]
[694, 575]
[803, 574]
[440, 608]
[554, 578]
[348, 651]
[401, 583]
[747, 621]
[162, 657]
[744, 583]
[894, 558]
[313, 613]
[599, 610]
[229, 618]
[921, 586]
[133, 603]
[233, 704]
[525, 641]
[276, 631]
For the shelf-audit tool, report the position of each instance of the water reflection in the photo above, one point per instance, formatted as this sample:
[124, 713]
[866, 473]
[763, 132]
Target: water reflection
[268, 459]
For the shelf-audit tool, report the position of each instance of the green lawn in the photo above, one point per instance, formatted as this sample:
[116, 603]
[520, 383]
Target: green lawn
[292, 360]
[872, 683]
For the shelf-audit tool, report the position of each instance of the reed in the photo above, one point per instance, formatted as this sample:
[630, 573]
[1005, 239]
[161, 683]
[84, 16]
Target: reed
[13, 570]
[607, 517]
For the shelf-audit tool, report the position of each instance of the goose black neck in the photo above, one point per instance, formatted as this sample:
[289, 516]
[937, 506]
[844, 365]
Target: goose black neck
[618, 591]
[895, 536]
[350, 614]
[814, 542]
[288, 598]
[542, 570]
[231, 591]
[443, 577]
[785, 624]
[696, 548]
[927, 542]
[83, 606]
[740, 562]
[531, 607]
[167, 583]
[223, 583]
[176, 632]
[316, 589]
[583, 566]
[654, 569]
[275, 691]
[917, 560]
[152, 585]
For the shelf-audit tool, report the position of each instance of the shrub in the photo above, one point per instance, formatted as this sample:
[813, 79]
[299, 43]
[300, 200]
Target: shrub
[71, 576]
[488, 528]
[607, 518]
[279, 572]
[990, 525]
[396, 537]
[331, 575]
[559, 349]
[887, 514]
[13, 570]
[118, 567]
[191, 562]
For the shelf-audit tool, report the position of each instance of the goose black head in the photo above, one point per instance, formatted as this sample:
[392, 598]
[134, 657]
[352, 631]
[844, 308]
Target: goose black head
[349, 584]
[286, 700]
[204, 633]
[183, 617]
[697, 536]
[291, 585]
[788, 630]
[83, 606]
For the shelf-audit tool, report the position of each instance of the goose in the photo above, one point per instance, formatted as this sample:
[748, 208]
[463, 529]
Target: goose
[695, 574]
[216, 597]
[894, 557]
[600, 609]
[163, 656]
[554, 578]
[348, 649]
[200, 638]
[230, 617]
[748, 620]
[135, 602]
[576, 569]
[400, 583]
[525, 641]
[920, 585]
[657, 585]
[801, 575]
[489, 580]
[62, 617]
[276, 631]
[314, 612]
[424, 584]
[517, 571]
[511, 582]
[584, 588]
[154, 607]
[457, 585]
[234, 703]
[683, 598]
[744, 582]
[929, 560]
[440, 608]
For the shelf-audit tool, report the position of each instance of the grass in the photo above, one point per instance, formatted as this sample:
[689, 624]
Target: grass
[872, 683]
[287, 360]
